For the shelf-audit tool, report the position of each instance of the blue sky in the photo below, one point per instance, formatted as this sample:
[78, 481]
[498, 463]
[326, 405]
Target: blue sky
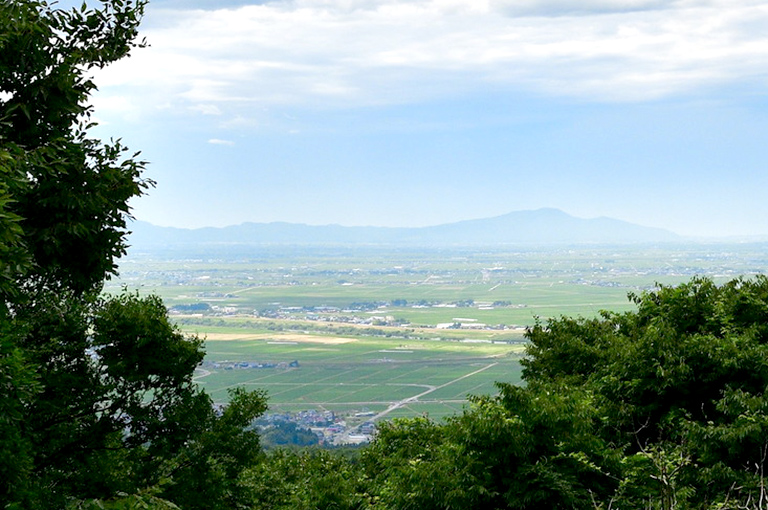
[395, 113]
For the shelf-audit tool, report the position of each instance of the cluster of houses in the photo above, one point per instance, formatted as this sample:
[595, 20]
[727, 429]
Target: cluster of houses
[330, 428]
[241, 365]
[359, 314]
[331, 314]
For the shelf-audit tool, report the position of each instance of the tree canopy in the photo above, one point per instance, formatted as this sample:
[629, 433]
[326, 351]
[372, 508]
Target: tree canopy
[663, 407]
[97, 402]
[65, 195]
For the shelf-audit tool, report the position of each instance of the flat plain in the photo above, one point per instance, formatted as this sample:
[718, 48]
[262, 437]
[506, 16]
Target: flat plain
[378, 332]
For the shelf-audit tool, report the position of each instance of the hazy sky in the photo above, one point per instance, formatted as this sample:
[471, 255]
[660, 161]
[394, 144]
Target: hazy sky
[411, 113]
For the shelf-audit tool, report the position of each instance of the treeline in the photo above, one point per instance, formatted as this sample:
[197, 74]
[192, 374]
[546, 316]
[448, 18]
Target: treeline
[302, 326]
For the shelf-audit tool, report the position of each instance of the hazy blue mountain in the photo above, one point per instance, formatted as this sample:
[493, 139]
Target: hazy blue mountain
[542, 226]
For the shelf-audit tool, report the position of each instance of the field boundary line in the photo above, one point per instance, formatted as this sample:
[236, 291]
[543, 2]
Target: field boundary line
[415, 398]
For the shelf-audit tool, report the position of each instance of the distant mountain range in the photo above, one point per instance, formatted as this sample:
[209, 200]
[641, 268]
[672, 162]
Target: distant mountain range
[542, 226]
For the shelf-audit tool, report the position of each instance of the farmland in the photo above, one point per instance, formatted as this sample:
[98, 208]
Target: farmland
[373, 333]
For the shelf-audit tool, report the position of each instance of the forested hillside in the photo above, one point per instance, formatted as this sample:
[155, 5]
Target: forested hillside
[662, 407]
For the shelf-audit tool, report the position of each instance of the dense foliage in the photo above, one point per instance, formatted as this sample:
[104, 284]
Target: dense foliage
[663, 408]
[97, 404]
[287, 434]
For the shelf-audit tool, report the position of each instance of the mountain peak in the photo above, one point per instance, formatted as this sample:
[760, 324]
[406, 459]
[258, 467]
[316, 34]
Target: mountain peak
[540, 226]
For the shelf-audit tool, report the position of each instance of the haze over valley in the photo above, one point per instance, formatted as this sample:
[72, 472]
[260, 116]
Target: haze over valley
[324, 318]
[543, 226]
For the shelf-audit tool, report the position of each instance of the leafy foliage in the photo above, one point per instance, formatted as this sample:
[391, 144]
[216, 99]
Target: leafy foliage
[63, 199]
[309, 480]
[287, 433]
[97, 404]
[662, 408]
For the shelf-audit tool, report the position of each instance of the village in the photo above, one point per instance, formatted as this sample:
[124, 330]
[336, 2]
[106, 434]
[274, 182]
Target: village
[359, 314]
[328, 427]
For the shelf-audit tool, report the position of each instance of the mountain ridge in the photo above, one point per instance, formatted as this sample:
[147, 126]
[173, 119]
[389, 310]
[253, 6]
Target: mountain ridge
[540, 226]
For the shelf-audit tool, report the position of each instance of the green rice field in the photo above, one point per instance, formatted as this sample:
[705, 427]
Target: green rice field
[358, 373]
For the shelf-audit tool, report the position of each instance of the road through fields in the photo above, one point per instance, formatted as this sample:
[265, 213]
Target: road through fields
[415, 398]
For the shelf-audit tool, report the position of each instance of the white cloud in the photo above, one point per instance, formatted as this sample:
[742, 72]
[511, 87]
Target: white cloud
[340, 53]
[216, 141]
[574, 7]
[109, 106]
[206, 109]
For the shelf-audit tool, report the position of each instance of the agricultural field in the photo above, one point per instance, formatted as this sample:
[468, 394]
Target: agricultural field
[374, 333]
[361, 374]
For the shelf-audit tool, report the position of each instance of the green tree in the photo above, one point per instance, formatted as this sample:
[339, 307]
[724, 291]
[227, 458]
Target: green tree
[682, 384]
[65, 195]
[305, 480]
[660, 408]
[411, 466]
[206, 474]
[287, 433]
[18, 386]
[525, 448]
[97, 403]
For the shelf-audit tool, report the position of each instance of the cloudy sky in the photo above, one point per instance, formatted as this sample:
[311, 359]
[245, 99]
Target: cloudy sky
[421, 112]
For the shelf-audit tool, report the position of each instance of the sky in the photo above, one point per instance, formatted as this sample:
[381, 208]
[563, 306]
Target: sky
[423, 112]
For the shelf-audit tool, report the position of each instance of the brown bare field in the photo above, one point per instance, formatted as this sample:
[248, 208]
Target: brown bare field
[288, 337]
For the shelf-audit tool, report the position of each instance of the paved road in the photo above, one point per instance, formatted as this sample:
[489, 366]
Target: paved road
[200, 373]
[415, 398]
